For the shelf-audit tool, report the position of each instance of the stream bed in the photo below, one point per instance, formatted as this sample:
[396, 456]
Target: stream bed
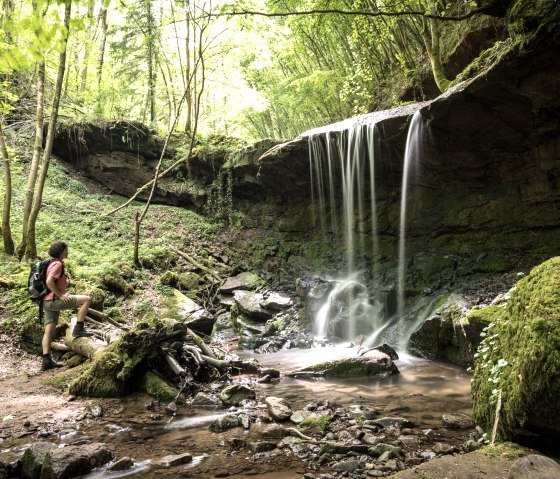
[422, 392]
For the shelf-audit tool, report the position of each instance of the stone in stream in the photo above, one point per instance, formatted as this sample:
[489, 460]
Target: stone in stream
[278, 408]
[235, 394]
[372, 363]
[383, 448]
[73, 461]
[347, 465]
[261, 446]
[34, 457]
[175, 460]
[457, 421]
[534, 466]
[203, 399]
[229, 421]
[274, 431]
[122, 464]
[392, 421]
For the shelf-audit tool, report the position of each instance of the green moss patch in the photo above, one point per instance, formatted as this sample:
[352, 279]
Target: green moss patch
[520, 357]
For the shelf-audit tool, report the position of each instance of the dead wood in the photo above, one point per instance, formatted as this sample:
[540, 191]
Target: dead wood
[104, 317]
[200, 343]
[87, 347]
[60, 347]
[213, 273]
[174, 365]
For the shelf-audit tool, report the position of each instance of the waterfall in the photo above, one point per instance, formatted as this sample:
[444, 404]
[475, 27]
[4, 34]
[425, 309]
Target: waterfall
[411, 154]
[339, 163]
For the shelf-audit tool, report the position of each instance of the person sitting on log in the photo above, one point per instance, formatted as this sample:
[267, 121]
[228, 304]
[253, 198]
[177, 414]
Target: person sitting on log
[58, 300]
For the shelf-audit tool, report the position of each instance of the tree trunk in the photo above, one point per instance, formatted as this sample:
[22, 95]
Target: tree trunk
[87, 47]
[188, 79]
[6, 230]
[103, 20]
[151, 50]
[37, 150]
[430, 34]
[31, 247]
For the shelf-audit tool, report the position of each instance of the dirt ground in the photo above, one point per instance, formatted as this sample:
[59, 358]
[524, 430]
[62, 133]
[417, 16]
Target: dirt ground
[30, 409]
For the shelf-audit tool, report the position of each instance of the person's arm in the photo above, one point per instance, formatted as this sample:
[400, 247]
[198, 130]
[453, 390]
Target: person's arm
[51, 283]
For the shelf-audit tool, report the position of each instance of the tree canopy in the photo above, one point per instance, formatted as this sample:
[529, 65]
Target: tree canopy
[271, 69]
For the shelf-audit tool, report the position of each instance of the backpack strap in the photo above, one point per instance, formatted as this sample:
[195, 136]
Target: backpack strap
[41, 311]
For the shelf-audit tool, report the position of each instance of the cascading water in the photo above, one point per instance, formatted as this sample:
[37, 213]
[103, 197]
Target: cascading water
[342, 162]
[411, 154]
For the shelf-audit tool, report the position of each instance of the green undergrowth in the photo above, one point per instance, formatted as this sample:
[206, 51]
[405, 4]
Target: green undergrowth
[519, 357]
[100, 261]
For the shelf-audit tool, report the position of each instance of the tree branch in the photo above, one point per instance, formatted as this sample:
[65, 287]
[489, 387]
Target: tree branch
[417, 13]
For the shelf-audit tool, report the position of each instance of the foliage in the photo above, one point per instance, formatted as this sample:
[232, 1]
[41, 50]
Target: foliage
[519, 355]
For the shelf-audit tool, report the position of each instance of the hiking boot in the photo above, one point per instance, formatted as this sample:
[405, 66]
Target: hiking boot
[79, 331]
[48, 363]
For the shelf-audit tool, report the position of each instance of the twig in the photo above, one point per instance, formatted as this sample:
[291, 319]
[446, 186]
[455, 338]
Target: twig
[195, 263]
[105, 317]
[497, 417]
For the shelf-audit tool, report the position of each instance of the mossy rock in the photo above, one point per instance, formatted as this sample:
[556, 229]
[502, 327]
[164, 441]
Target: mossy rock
[63, 379]
[115, 314]
[100, 378]
[96, 294]
[520, 357]
[452, 333]
[115, 279]
[157, 387]
[315, 425]
[189, 281]
[169, 278]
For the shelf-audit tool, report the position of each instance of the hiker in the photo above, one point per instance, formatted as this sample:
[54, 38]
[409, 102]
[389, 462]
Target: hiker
[57, 300]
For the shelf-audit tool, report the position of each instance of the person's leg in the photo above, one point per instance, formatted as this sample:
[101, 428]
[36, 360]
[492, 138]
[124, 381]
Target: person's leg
[48, 336]
[50, 320]
[82, 303]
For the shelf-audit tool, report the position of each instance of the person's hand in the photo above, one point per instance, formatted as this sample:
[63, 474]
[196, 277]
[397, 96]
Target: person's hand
[66, 298]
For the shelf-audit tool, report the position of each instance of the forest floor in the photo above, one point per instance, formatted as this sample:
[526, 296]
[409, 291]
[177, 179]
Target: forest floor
[32, 409]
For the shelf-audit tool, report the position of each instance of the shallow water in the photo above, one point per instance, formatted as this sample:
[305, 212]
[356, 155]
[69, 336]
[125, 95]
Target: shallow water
[422, 392]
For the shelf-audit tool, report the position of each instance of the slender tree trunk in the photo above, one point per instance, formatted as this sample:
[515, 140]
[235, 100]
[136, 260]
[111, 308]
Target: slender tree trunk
[37, 151]
[151, 51]
[189, 99]
[87, 46]
[31, 248]
[430, 35]
[6, 230]
[103, 20]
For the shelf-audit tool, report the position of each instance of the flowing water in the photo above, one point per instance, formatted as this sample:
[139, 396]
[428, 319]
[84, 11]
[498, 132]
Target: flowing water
[423, 391]
[340, 162]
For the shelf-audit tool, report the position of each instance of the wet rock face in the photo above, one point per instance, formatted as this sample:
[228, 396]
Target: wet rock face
[534, 466]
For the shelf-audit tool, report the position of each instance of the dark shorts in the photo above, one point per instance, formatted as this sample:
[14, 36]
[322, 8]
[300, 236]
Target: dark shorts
[53, 308]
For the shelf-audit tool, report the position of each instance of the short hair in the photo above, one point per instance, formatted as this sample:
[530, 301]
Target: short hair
[57, 248]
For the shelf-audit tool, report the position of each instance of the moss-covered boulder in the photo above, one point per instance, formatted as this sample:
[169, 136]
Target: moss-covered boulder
[372, 363]
[452, 333]
[100, 379]
[519, 359]
[157, 387]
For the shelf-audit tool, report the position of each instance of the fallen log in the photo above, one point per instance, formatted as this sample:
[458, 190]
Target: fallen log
[87, 347]
[195, 263]
[200, 343]
[105, 317]
[174, 365]
[60, 347]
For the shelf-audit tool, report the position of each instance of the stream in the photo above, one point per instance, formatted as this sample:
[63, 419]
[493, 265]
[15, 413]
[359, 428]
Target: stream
[422, 392]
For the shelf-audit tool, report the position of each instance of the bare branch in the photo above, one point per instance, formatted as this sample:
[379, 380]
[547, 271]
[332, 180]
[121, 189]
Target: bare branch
[416, 13]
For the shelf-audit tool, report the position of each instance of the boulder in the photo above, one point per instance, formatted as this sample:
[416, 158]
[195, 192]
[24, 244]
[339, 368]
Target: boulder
[276, 302]
[534, 466]
[518, 359]
[203, 399]
[74, 461]
[249, 303]
[261, 446]
[33, 459]
[122, 464]
[457, 421]
[370, 364]
[243, 281]
[229, 421]
[451, 333]
[278, 408]
[235, 394]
